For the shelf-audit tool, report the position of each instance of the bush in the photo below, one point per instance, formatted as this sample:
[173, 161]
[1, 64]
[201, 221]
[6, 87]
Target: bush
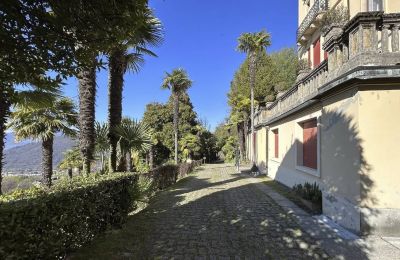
[166, 175]
[11, 183]
[41, 223]
[309, 192]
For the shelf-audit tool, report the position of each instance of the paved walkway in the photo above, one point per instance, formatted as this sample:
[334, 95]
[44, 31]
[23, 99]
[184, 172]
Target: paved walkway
[213, 214]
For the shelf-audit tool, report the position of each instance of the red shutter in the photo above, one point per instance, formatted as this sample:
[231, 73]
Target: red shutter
[325, 55]
[276, 134]
[310, 144]
[317, 53]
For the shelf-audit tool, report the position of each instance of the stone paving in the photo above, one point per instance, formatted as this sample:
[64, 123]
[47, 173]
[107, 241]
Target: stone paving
[212, 214]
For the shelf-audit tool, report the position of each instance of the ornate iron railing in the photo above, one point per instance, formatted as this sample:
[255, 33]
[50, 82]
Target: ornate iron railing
[319, 6]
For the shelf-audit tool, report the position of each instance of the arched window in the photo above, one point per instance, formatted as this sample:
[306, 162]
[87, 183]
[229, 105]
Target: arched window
[375, 5]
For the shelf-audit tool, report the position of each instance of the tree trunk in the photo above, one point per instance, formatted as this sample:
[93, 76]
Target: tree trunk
[121, 165]
[128, 161]
[69, 171]
[115, 88]
[240, 130]
[4, 112]
[252, 84]
[151, 157]
[87, 101]
[47, 160]
[245, 133]
[102, 162]
[176, 124]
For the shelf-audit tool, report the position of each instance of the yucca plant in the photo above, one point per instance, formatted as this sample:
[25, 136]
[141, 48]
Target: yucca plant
[42, 123]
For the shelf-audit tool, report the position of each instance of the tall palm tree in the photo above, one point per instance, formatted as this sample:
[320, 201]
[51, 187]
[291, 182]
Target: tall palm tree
[128, 56]
[37, 94]
[178, 82]
[253, 44]
[87, 102]
[133, 136]
[42, 123]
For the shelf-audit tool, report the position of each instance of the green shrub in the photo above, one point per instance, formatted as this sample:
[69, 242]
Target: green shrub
[11, 183]
[166, 175]
[41, 223]
[309, 192]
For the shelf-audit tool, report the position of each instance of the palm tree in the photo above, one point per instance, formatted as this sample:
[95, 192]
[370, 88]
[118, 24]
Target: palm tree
[178, 82]
[122, 60]
[102, 145]
[253, 44]
[37, 94]
[133, 136]
[72, 159]
[87, 102]
[42, 123]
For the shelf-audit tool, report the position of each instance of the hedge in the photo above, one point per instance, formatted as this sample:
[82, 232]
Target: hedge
[46, 224]
[166, 175]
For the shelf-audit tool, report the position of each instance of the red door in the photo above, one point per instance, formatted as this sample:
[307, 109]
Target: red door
[317, 53]
[310, 144]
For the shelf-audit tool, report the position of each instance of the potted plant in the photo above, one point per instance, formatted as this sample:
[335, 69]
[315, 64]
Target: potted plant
[334, 20]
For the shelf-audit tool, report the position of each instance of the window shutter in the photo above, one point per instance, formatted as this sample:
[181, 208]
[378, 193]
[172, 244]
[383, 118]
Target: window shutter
[310, 144]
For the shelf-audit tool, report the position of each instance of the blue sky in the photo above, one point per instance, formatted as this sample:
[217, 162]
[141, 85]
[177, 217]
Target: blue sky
[200, 36]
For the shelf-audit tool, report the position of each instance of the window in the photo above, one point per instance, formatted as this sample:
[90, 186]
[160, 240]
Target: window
[310, 143]
[309, 57]
[317, 53]
[375, 5]
[276, 143]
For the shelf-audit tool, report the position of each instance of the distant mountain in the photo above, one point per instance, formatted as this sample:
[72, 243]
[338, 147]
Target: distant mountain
[10, 141]
[28, 157]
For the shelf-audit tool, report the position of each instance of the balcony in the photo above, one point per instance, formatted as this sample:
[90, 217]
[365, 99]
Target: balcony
[310, 22]
[367, 47]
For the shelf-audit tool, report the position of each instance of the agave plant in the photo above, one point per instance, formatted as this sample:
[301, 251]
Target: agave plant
[133, 136]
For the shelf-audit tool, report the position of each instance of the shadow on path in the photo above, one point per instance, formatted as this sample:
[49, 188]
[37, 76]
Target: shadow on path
[214, 214]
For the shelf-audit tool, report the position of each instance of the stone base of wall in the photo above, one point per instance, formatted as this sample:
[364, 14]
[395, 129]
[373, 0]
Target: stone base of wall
[385, 222]
[342, 211]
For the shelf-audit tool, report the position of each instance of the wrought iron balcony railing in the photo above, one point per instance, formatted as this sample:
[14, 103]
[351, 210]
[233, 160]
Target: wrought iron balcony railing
[316, 9]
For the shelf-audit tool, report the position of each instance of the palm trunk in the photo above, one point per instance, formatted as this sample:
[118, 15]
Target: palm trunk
[128, 161]
[102, 162]
[245, 133]
[252, 83]
[115, 87]
[4, 112]
[121, 165]
[151, 157]
[47, 160]
[87, 101]
[176, 129]
[69, 172]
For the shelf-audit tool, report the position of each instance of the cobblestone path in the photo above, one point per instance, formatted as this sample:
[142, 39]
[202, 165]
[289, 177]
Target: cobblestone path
[212, 214]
